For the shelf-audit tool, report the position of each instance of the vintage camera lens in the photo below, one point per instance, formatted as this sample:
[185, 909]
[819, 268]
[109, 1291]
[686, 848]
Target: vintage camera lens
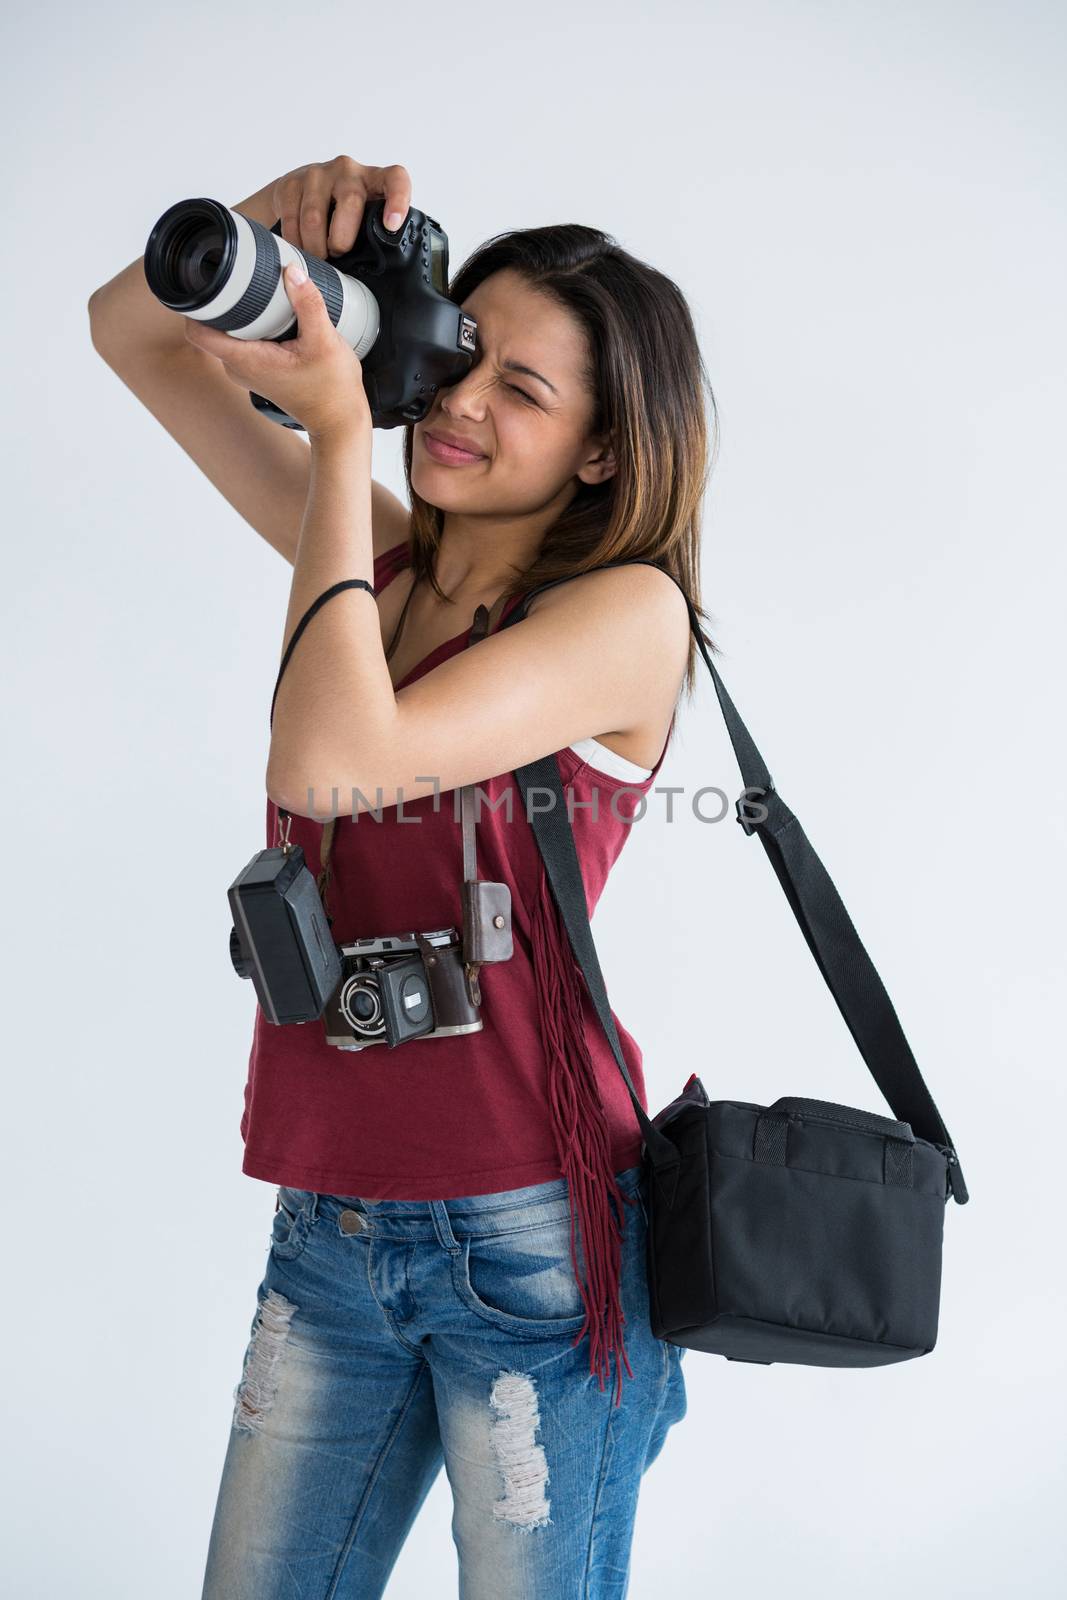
[360, 1004]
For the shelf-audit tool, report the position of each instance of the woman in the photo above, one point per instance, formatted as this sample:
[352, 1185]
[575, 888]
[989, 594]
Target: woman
[458, 1250]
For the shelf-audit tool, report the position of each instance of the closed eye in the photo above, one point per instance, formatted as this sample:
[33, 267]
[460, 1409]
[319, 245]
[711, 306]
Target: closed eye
[516, 390]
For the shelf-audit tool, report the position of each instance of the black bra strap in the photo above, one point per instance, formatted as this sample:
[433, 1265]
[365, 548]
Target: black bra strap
[327, 594]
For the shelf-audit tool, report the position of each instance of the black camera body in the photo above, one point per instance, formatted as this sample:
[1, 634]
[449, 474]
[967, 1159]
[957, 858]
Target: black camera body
[400, 987]
[281, 937]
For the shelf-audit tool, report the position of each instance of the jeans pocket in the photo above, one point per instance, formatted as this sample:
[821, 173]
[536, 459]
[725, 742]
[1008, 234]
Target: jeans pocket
[292, 1223]
[522, 1281]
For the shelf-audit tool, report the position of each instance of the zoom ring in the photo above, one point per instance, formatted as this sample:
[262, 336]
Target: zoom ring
[263, 283]
[328, 283]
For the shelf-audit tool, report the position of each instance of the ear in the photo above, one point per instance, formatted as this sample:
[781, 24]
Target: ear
[601, 464]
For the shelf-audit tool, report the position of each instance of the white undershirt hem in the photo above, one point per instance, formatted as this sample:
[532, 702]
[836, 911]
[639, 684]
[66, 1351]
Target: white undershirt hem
[598, 755]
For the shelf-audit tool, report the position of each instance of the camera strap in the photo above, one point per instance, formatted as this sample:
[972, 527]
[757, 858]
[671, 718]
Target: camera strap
[466, 793]
[840, 956]
[486, 905]
[468, 825]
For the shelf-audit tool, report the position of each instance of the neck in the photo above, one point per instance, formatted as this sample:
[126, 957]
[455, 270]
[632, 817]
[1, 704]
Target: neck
[479, 556]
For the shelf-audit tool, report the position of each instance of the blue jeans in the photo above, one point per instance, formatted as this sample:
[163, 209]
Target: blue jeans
[394, 1336]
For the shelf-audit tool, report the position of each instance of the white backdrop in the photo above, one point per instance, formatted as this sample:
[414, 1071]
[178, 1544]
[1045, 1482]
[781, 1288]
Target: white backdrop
[865, 206]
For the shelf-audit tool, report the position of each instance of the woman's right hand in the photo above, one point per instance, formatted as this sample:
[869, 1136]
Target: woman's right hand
[302, 200]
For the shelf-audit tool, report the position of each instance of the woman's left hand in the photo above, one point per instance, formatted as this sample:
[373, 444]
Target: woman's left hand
[316, 378]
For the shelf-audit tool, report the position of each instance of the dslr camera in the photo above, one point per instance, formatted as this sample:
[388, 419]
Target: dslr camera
[387, 297]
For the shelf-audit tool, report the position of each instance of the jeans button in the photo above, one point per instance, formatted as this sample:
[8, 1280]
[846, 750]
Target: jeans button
[351, 1221]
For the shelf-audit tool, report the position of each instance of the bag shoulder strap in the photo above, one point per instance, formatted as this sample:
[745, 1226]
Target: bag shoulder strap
[845, 965]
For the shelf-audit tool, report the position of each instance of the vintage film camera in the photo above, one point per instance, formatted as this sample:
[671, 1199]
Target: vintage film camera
[382, 990]
[408, 986]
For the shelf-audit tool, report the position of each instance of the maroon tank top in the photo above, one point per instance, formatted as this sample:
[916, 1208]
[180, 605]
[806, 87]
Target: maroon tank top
[535, 1095]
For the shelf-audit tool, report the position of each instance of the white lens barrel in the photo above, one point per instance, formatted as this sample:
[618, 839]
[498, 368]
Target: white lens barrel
[360, 321]
[252, 302]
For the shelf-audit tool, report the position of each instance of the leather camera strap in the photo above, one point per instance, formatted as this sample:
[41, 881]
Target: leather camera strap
[466, 793]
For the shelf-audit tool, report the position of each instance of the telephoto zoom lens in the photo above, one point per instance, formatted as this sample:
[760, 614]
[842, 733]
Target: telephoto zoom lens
[215, 265]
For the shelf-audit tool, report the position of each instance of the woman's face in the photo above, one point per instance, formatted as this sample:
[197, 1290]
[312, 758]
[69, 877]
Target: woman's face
[530, 433]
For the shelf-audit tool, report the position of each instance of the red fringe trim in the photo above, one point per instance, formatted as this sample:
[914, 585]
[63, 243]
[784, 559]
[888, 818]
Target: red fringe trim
[582, 1141]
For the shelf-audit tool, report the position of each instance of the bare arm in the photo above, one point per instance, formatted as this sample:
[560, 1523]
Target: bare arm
[260, 468]
[605, 652]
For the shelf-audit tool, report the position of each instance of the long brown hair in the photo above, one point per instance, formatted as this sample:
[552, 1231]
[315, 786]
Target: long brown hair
[648, 380]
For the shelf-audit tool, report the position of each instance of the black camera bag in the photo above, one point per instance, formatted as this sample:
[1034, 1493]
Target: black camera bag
[803, 1231]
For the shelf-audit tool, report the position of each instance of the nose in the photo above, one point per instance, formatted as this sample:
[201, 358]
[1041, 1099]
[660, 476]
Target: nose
[465, 398]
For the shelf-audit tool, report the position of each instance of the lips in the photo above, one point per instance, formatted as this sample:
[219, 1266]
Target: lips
[449, 447]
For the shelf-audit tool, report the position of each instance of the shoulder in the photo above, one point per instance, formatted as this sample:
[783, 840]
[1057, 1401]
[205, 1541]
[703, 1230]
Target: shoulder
[624, 634]
[635, 601]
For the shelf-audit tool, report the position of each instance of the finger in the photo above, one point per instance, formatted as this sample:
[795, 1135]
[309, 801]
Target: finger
[312, 318]
[213, 340]
[396, 187]
[314, 203]
[347, 216]
[243, 358]
[287, 200]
